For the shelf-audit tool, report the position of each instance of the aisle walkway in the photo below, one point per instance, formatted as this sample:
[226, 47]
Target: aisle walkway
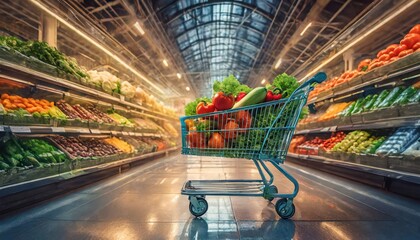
[145, 203]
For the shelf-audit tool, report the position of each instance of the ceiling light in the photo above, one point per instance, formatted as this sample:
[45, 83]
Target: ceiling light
[371, 30]
[306, 28]
[165, 63]
[187, 88]
[277, 64]
[95, 43]
[179, 75]
[139, 28]
[263, 81]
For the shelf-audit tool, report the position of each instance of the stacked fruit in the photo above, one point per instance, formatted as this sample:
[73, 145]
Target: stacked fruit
[120, 144]
[409, 44]
[100, 115]
[85, 148]
[333, 140]
[351, 141]
[15, 102]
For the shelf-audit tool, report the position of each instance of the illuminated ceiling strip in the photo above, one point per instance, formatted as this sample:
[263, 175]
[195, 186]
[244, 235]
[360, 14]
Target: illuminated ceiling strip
[306, 28]
[95, 43]
[374, 28]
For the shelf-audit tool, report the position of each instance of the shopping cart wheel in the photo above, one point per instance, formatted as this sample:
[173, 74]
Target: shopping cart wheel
[283, 210]
[200, 209]
[272, 189]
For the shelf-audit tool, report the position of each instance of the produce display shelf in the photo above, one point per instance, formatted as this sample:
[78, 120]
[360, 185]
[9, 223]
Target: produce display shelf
[16, 196]
[385, 173]
[388, 73]
[379, 124]
[11, 69]
[70, 130]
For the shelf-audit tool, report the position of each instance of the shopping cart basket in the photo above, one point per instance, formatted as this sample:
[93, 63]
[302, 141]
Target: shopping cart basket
[261, 133]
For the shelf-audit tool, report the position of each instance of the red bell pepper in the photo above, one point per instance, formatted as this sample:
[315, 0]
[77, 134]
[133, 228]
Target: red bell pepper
[273, 95]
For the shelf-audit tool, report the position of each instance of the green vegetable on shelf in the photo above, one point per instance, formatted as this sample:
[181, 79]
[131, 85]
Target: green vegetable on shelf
[370, 103]
[415, 98]
[348, 110]
[356, 106]
[380, 99]
[404, 97]
[359, 108]
[391, 97]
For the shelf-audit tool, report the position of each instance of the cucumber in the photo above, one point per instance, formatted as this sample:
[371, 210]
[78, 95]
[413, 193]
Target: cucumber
[257, 95]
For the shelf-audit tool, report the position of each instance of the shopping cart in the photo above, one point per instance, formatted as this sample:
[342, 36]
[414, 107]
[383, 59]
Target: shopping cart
[261, 133]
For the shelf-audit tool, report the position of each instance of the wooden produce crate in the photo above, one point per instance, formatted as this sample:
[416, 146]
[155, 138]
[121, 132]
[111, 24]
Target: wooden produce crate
[380, 114]
[409, 110]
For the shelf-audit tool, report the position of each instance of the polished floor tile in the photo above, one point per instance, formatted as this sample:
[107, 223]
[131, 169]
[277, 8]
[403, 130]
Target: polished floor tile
[145, 203]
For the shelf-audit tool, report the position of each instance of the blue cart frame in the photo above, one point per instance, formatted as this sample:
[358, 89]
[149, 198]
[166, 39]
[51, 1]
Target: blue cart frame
[242, 142]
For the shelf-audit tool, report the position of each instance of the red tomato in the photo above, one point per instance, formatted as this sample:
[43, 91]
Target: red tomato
[196, 140]
[399, 49]
[244, 119]
[222, 101]
[415, 29]
[416, 46]
[391, 47]
[376, 65]
[384, 57]
[204, 107]
[229, 130]
[380, 53]
[393, 59]
[405, 53]
[363, 65]
[411, 39]
[216, 141]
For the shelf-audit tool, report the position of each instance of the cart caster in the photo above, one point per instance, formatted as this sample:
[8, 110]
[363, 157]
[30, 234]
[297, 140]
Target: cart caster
[283, 210]
[272, 190]
[200, 208]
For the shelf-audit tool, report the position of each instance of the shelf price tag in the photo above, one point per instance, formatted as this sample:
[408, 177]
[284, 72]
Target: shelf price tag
[114, 133]
[95, 131]
[58, 129]
[333, 129]
[326, 129]
[20, 129]
[124, 133]
[1, 128]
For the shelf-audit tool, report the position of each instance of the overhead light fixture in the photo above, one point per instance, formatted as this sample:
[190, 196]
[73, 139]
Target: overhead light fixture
[139, 28]
[165, 62]
[277, 64]
[187, 88]
[306, 28]
[263, 81]
[179, 75]
[371, 30]
[95, 43]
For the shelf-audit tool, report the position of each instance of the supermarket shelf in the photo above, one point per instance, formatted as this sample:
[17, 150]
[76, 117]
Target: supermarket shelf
[27, 75]
[23, 194]
[71, 130]
[404, 183]
[379, 124]
[396, 71]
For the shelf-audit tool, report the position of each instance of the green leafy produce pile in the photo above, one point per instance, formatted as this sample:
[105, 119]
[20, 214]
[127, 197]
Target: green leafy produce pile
[45, 53]
[28, 152]
[230, 86]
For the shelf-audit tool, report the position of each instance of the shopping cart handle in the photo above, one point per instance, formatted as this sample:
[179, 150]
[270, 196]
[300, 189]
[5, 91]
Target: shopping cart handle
[318, 78]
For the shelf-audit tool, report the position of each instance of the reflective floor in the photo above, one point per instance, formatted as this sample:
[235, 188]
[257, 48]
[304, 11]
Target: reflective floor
[145, 203]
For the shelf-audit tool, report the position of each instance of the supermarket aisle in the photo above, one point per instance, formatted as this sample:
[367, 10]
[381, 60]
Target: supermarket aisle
[145, 203]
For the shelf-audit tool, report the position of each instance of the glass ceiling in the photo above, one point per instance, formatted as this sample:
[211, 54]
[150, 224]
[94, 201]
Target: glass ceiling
[217, 38]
